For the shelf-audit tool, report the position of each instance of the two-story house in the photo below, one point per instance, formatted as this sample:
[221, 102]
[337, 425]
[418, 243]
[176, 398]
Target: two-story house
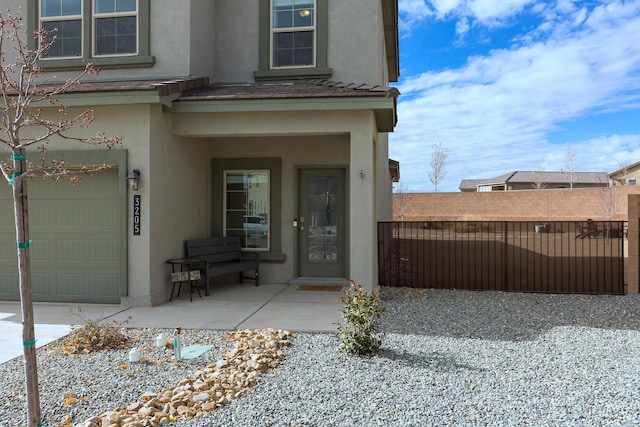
[264, 119]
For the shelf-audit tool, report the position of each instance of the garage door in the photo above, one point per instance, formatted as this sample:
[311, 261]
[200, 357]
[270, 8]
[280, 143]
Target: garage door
[76, 233]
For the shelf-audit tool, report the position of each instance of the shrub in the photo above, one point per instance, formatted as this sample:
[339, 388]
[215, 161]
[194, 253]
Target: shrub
[94, 336]
[361, 334]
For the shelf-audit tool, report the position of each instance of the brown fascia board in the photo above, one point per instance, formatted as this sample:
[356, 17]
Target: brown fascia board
[392, 45]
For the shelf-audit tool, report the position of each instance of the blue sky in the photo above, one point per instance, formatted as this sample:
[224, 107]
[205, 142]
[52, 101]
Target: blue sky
[508, 85]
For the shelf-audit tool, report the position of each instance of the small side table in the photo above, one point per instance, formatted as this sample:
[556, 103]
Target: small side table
[185, 270]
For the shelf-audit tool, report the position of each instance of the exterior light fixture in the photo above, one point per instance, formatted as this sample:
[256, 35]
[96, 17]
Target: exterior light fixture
[133, 179]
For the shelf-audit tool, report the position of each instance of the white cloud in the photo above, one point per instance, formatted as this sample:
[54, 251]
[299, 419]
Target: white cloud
[488, 10]
[411, 12]
[462, 26]
[496, 112]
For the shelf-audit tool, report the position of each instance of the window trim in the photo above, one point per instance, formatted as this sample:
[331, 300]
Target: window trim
[274, 165]
[142, 59]
[320, 70]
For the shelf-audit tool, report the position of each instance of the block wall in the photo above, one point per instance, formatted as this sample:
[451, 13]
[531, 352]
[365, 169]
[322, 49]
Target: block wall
[633, 262]
[526, 205]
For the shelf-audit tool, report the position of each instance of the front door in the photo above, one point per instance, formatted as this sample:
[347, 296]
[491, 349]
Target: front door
[321, 223]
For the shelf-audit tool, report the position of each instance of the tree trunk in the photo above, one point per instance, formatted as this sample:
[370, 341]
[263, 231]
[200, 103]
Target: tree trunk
[26, 300]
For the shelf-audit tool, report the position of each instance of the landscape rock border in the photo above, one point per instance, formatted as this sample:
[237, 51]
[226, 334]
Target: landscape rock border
[256, 351]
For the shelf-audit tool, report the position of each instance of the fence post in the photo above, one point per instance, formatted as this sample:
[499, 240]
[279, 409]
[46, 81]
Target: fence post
[633, 242]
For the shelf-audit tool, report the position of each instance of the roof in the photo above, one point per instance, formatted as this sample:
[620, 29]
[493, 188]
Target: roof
[181, 94]
[526, 177]
[310, 88]
[624, 169]
[194, 88]
[558, 177]
[162, 86]
[394, 169]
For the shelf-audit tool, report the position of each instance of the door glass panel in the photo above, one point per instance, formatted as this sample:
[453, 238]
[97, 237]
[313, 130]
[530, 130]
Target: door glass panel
[322, 220]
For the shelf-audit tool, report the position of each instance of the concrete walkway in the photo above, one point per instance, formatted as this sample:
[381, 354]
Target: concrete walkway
[237, 306]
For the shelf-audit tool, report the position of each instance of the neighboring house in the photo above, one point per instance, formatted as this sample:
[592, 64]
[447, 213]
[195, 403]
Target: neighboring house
[628, 175]
[274, 112]
[522, 180]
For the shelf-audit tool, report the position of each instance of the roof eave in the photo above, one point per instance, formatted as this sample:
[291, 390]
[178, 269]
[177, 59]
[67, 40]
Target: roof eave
[384, 108]
[390, 22]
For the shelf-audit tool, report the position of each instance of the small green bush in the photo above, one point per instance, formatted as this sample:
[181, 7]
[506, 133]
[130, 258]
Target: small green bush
[362, 333]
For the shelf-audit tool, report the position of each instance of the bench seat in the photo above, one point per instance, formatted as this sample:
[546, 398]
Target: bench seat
[223, 255]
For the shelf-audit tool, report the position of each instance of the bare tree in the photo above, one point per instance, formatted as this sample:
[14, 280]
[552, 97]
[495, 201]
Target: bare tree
[538, 178]
[31, 117]
[436, 172]
[607, 201]
[401, 199]
[572, 167]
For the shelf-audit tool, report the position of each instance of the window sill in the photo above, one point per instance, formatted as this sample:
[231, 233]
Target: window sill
[292, 73]
[101, 63]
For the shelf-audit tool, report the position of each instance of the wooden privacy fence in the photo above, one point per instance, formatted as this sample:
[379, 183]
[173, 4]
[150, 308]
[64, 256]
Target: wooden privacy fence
[554, 257]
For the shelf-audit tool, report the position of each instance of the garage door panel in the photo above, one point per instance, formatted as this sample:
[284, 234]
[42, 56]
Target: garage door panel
[9, 284]
[104, 216]
[75, 233]
[8, 249]
[104, 251]
[41, 249]
[101, 285]
[72, 216]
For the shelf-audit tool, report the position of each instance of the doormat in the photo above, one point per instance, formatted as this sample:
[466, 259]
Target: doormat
[319, 288]
[193, 351]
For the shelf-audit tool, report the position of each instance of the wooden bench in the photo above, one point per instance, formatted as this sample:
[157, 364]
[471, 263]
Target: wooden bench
[223, 255]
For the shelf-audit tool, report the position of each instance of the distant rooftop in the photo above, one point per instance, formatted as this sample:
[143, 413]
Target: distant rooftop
[532, 177]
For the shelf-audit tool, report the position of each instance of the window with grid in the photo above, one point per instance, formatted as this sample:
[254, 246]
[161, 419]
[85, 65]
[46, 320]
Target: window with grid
[63, 18]
[115, 27]
[110, 33]
[293, 33]
[247, 206]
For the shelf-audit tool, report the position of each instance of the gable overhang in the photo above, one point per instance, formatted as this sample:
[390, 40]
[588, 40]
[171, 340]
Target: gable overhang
[390, 22]
[383, 108]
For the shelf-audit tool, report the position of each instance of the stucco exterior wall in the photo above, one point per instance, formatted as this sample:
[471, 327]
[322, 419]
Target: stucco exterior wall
[177, 188]
[526, 205]
[354, 42]
[236, 43]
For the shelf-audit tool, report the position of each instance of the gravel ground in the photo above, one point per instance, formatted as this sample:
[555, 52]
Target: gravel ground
[449, 358]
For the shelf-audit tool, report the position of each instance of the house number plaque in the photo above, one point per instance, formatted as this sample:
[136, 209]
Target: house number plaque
[136, 214]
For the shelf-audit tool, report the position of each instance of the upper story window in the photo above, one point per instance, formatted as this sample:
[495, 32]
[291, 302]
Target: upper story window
[64, 19]
[293, 37]
[109, 33]
[293, 29]
[115, 27]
